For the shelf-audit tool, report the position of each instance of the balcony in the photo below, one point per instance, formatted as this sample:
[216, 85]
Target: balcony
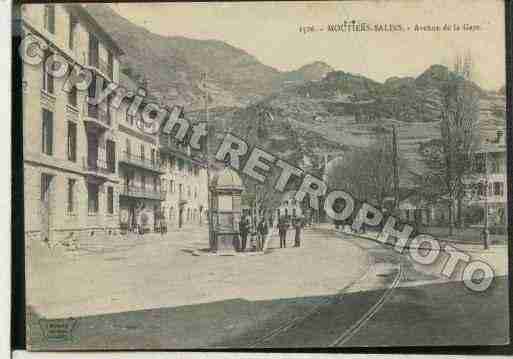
[141, 162]
[140, 192]
[101, 66]
[96, 117]
[98, 168]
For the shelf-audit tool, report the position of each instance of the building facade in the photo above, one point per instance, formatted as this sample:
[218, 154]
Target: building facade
[491, 194]
[139, 163]
[185, 177]
[69, 146]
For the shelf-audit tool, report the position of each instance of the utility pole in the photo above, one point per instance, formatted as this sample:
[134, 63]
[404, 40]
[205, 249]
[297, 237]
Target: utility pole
[396, 170]
[207, 155]
[486, 231]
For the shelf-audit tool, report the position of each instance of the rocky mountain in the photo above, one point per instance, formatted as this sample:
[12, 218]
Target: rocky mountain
[310, 72]
[173, 66]
[298, 115]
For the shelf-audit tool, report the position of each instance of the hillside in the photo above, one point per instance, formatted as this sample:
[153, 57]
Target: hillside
[173, 65]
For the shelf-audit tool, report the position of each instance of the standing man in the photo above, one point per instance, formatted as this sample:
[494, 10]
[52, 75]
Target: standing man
[282, 230]
[262, 230]
[298, 223]
[244, 230]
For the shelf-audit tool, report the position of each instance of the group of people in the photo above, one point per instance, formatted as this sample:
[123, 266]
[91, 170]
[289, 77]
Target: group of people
[284, 223]
[257, 230]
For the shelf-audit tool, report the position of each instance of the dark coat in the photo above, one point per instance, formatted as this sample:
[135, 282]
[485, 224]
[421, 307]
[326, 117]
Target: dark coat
[262, 228]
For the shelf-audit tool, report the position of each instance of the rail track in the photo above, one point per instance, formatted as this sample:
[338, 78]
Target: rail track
[353, 329]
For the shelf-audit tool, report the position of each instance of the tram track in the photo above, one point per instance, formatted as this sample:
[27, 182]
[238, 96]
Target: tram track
[355, 327]
[300, 319]
[352, 330]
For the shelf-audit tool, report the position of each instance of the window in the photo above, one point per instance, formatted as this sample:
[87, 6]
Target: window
[153, 156]
[93, 50]
[72, 96]
[45, 186]
[72, 141]
[155, 184]
[142, 153]
[110, 200]
[48, 85]
[47, 133]
[481, 189]
[189, 191]
[172, 163]
[49, 15]
[92, 198]
[180, 188]
[110, 64]
[143, 182]
[72, 26]
[110, 149]
[128, 148]
[498, 189]
[196, 192]
[71, 196]
[180, 164]
[171, 186]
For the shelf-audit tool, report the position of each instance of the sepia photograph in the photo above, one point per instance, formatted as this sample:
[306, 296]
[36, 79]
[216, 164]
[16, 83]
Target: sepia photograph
[264, 175]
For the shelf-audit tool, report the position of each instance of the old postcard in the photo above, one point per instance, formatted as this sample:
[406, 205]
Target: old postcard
[264, 174]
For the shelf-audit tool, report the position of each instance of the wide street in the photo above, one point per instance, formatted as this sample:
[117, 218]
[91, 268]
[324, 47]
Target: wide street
[336, 290]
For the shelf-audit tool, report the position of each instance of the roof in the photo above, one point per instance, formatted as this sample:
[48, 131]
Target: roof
[227, 179]
[81, 11]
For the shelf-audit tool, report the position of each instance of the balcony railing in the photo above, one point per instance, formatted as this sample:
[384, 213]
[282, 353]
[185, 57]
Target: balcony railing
[99, 166]
[101, 65]
[143, 192]
[140, 161]
[98, 113]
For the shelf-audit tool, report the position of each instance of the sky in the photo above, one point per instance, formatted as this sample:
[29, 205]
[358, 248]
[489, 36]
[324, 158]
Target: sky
[270, 32]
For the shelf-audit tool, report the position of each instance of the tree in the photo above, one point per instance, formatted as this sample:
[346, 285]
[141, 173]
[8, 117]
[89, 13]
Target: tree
[366, 173]
[448, 160]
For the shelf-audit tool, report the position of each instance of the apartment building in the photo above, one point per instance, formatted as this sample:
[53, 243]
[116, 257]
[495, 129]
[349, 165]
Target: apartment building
[490, 159]
[186, 180]
[140, 190]
[69, 146]
[492, 182]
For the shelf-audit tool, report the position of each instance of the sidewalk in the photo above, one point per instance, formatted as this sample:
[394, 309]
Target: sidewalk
[160, 271]
[496, 255]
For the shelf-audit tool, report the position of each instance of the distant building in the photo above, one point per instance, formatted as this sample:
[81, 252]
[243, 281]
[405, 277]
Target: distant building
[492, 182]
[185, 177]
[289, 206]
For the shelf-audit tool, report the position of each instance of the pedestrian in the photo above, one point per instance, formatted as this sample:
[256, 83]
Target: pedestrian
[298, 224]
[282, 230]
[244, 230]
[271, 221]
[262, 230]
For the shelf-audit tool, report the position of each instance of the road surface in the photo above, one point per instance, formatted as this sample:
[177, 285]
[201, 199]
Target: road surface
[389, 304]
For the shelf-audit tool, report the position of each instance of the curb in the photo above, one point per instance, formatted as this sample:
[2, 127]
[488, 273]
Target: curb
[438, 239]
